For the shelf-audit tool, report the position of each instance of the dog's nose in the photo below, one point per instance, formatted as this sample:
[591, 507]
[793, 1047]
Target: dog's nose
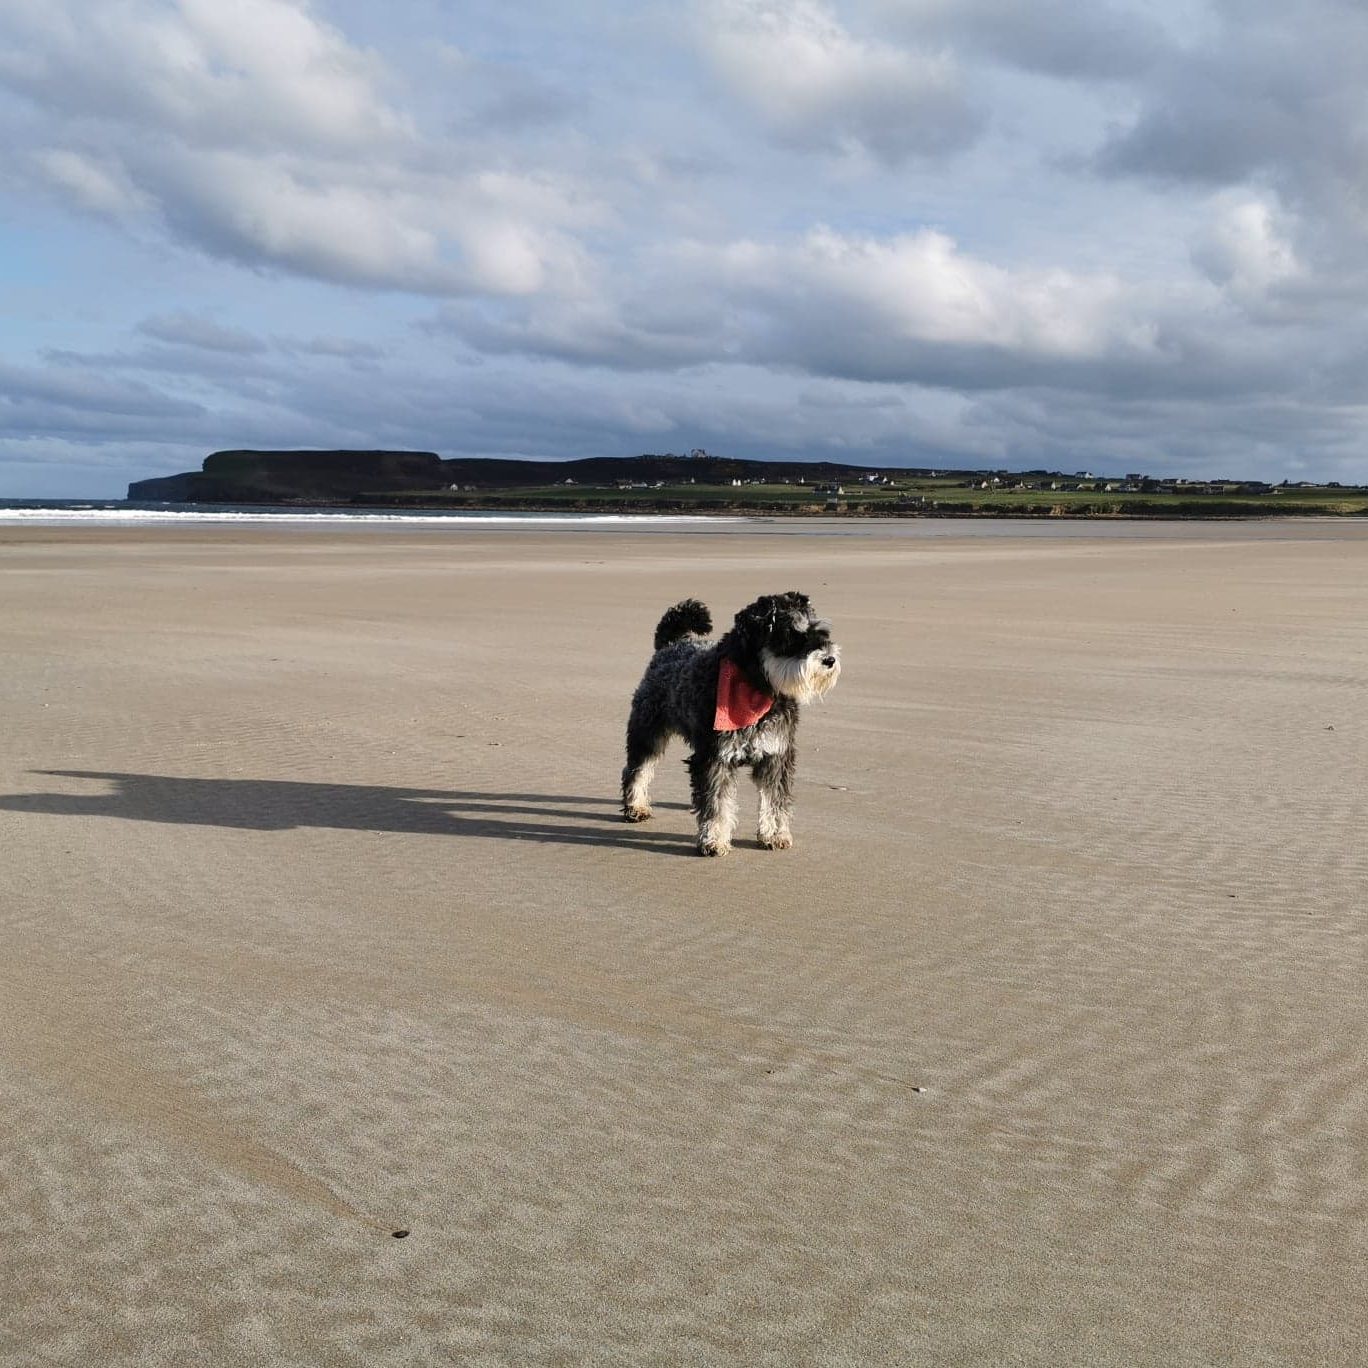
[828, 661]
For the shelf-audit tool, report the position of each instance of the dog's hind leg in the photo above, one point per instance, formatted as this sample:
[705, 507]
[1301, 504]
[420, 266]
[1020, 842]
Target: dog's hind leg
[774, 778]
[644, 749]
[714, 803]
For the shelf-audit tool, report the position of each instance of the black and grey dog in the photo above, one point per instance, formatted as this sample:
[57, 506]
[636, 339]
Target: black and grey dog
[735, 702]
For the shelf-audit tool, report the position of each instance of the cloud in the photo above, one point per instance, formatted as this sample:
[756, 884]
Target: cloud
[347, 348]
[258, 73]
[257, 133]
[912, 308]
[1098, 40]
[817, 86]
[407, 229]
[504, 97]
[1270, 93]
[23, 389]
[672, 317]
[98, 184]
[191, 330]
[1247, 251]
[919, 289]
[1270, 437]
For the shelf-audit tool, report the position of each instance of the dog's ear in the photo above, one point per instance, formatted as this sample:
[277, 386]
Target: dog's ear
[755, 622]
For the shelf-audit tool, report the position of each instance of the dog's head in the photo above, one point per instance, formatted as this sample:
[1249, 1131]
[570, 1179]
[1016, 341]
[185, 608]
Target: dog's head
[791, 646]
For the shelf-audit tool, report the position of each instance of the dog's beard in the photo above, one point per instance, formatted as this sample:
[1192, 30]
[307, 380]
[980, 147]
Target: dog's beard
[802, 678]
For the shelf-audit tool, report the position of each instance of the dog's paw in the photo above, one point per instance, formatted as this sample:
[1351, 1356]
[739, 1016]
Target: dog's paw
[781, 840]
[714, 848]
[636, 814]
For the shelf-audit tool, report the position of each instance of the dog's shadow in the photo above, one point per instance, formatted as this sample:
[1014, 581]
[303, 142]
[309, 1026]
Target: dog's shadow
[281, 805]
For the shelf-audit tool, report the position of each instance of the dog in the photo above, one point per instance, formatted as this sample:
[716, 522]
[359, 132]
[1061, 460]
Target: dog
[735, 702]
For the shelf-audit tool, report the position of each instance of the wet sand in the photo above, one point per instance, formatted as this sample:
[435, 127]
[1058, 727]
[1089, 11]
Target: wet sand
[1047, 1044]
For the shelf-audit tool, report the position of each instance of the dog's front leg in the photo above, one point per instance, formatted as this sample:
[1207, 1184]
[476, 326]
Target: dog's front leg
[714, 803]
[774, 778]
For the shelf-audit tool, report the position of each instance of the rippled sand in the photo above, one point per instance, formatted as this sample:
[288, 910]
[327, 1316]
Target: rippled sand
[1047, 1044]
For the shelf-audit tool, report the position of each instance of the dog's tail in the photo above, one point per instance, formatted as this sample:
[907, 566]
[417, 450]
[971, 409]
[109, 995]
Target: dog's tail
[680, 621]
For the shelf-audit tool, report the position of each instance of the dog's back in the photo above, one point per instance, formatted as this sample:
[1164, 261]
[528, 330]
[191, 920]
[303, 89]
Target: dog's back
[671, 696]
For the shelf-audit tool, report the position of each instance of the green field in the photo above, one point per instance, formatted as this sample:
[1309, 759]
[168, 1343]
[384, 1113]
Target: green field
[944, 497]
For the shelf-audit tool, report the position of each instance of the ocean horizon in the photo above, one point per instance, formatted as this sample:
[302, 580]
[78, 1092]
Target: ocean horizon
[126, 513]
[130, 512]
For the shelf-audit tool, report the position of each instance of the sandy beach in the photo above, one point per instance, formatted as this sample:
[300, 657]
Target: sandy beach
[1047, 1044]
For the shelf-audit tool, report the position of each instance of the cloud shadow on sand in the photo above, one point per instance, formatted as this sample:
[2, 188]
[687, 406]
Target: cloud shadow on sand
[281, 805]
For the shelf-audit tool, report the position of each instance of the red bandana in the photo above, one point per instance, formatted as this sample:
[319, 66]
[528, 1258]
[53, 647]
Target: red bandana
[739, 703]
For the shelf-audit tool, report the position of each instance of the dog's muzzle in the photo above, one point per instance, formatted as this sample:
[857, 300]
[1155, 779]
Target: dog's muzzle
[803, 677]
[823, 670]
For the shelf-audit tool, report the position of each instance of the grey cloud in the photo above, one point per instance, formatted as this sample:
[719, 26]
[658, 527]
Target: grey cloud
[632, 334]
[1274, 91]
[1053, 37]
[73, 405]
[191, 330]
[233, 368]
[1252, 438]
[29, 416]
[344, 348]
[508, 97]
[82, 392]
[218, 367]
[889, 121]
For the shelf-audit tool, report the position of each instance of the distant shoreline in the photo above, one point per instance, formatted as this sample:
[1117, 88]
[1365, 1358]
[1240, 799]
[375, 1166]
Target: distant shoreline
[1219, 511]
[17, 512]
[700, 485]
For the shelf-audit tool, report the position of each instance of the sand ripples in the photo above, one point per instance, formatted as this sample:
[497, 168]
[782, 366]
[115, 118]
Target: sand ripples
[1046, 1045]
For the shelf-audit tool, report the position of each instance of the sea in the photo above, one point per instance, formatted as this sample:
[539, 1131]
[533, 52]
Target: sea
[131, 513]
[95, 513]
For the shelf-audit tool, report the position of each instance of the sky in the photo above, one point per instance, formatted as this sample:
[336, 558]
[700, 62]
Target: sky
[1114, 235]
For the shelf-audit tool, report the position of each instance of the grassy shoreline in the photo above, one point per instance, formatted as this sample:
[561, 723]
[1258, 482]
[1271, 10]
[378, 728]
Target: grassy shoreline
[989, 506]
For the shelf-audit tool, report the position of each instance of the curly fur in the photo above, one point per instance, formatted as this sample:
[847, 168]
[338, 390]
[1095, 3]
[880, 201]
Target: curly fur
[687, 618]
[782, 648]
